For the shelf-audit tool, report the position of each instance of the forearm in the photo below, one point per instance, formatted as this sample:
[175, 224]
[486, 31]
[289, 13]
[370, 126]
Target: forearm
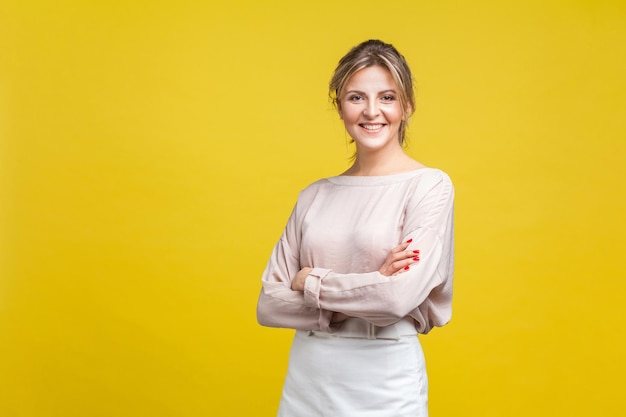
[380, 299]
[285, 308]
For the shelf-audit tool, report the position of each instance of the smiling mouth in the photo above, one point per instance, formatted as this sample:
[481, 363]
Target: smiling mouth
[371, 126]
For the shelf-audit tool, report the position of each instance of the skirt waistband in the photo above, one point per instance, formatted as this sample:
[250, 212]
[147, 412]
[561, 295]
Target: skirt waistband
[356, 328]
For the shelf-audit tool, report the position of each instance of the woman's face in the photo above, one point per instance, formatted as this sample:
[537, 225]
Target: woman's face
[371, 110]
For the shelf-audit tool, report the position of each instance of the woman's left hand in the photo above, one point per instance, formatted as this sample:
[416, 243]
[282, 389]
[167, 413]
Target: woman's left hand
[298, 282]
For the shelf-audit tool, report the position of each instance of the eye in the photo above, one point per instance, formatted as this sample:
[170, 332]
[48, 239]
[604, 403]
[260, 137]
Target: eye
[388, 98]
[355, 97]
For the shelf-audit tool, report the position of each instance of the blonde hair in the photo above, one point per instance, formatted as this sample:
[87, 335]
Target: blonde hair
[368, 54]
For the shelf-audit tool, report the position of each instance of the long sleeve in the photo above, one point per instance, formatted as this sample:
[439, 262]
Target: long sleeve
[278, 304]
[424, 292]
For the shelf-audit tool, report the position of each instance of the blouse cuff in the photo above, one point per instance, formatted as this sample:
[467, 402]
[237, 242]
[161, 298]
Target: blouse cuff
[312, 286]
[324, 321]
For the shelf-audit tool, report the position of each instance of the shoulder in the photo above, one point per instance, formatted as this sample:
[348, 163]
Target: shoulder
[315, 187]
[434, 175]
[430, 200]
[309, 193]
[428, 179]
[431, 185]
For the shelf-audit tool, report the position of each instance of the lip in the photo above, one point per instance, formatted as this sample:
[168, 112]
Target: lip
[367, 127]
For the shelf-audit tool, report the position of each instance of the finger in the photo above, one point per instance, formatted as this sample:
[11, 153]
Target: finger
[412, 253]
[402, 246]
[405, 255]
[403, 265]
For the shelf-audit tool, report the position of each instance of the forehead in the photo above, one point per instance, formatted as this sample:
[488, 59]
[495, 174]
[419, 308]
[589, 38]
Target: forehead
[374, 78]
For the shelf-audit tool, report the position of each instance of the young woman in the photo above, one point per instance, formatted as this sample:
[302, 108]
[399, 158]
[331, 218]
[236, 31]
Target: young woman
[365, 261]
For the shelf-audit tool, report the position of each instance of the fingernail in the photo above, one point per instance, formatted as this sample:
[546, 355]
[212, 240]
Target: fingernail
[417, 258]
[416, 251]
[406, 268]
[409, 241]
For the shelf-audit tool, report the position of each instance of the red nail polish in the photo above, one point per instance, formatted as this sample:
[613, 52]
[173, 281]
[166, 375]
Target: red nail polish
[417, 258]
[409, 241]
[406, 268]
[416, 251]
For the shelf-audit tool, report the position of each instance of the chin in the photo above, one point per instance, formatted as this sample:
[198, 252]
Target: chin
[374, 144]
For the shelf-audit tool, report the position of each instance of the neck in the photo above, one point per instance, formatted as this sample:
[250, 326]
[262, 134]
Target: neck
[388, 162]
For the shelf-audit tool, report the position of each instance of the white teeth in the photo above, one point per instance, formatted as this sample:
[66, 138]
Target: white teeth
[372, 127]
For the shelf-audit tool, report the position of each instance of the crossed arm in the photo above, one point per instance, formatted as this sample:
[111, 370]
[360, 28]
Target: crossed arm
[398, 260]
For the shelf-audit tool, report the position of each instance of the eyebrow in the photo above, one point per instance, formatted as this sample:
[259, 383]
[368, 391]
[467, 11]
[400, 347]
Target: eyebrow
[362, 92]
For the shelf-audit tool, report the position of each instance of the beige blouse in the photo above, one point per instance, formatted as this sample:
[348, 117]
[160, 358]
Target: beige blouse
[344, 227]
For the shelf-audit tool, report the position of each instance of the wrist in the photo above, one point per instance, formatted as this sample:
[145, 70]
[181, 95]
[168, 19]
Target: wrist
[300, 279]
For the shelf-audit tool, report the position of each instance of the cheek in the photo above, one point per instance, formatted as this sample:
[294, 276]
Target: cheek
[351, 114]
[394, 114]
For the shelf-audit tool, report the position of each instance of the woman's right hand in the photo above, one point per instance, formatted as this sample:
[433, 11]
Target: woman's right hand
[399, 259]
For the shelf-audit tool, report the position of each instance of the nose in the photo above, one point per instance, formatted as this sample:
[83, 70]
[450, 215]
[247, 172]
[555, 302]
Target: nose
[371, 109]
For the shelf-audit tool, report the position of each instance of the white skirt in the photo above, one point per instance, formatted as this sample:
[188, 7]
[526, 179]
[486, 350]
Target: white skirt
[350, 377]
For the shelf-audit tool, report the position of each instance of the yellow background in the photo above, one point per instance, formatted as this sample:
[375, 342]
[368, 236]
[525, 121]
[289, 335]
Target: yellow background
[151, 152]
